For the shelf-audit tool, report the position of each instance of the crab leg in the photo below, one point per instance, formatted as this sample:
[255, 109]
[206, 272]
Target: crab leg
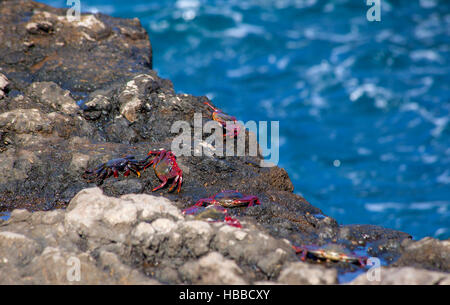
[127, 172]
[101, 175]
[212, 107]
[164, 179]
[232, 222]
[174, 183]
[180, 181]
[155, 160]
[202, 201]
[105, 173]
[304, 253]
[134, 169]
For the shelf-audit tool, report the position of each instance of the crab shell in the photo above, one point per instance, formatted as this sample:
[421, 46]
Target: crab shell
[230, 199]
[228, 122]
[332, 252]
[165, 167]
[212, 213]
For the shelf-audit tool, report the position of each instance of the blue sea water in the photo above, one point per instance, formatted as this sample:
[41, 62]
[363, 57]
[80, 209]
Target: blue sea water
[364, 107]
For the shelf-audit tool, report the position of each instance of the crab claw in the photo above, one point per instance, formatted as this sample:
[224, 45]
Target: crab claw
[233, 222]
[191, 210]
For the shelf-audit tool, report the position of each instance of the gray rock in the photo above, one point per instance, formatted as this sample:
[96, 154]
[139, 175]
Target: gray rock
[213, 268]
[404, 276]
[25, 121]
[47, 218]
[428, 253]
[254, 247]
[17, 249]
[153, 207]
[39, 27]
[16, 165]
[58, 266]
[142, 234]
[79, 162]
[123, 274]
[18, 215]
[196, 235]
[131, 99]
[301, 273]
[3, 84]
[94, 215]
[51, 94]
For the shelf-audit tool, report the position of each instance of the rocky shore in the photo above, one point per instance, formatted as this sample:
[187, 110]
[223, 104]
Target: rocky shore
[74, 94]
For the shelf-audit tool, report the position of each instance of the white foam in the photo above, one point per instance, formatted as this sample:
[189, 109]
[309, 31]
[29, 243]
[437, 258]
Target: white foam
[243, 30]
[442, 206]
[444, 178]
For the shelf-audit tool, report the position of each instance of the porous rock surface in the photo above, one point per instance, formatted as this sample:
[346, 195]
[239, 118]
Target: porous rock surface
[77, 93]
[136, 238]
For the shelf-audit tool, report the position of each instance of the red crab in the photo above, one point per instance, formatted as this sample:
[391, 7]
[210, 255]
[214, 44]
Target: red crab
[112, 168]
[166, 167]
[212, 213]
[232, 128]
[229, 199]
[331, 252]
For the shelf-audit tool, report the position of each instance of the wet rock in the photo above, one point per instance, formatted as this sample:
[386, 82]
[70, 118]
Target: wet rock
[51, 94]
[404, 276]
[119, 129]
[127, 186]
[427, 253]
[40, 43]
[300, 273]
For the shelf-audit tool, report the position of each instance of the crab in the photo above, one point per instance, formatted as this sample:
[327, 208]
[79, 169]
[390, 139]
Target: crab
[331, 252]
[166, 167]
[229, 199]
[105, 170]
[212, 213]
[232, 128]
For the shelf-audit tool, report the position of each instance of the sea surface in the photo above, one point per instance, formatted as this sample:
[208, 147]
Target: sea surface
[364, 107]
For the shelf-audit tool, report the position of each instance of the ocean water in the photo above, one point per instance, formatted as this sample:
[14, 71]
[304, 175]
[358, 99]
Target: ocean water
[364, 107]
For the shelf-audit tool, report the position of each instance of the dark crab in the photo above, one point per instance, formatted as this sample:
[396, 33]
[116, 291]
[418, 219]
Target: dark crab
[228, 122]
[229, 199]
[212, 213]
[331, 252]
[166, 167]
[126, 165]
